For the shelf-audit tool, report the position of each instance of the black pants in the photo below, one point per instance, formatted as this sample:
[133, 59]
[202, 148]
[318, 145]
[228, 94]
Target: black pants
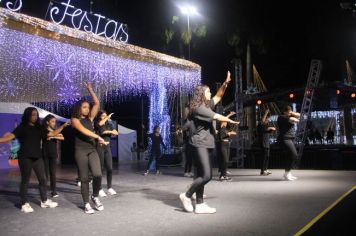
[204, 173]
[105, 156]
[224, 157]
[265, 159]
[26, 166]
[155, 155]
[290, 151]
[88, 161]
[188, 158]
[50, 163]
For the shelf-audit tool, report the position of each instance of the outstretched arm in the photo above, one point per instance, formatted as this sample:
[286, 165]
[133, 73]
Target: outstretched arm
[7, 138]
[103, 121]
[78, 126]
[220, 93]
[224, 119]
[57, 131]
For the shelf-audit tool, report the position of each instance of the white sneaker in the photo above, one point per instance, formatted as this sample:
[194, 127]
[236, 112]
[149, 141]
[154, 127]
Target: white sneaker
[88, 209]
[186, 202]
[79, 183]
[97, 203]
[203, 208]
[26, 208]
[228, 172]
[186, 174]
[194, 196]
[111, 191]
[102, 193]
[288, 176]
[49, 204]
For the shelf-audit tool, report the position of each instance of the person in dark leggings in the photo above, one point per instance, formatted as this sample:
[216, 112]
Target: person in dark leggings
[203, 142]
[156, 154]
[286, 137]
[188, 129]
[263, 135]
[50, 154]
[29, 133]
[86, 155]
[224, 138]
[105, 130]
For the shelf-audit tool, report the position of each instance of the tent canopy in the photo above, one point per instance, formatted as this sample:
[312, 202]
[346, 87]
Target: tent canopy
[18, 108]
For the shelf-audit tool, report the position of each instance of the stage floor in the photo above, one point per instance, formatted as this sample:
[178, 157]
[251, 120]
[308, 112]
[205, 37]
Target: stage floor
[249, 205]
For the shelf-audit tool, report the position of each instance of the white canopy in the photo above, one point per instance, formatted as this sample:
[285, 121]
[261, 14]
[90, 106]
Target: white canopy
[125, 140]
[18, 108]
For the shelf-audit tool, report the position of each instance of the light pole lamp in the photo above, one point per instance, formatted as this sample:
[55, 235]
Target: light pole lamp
[188, 11]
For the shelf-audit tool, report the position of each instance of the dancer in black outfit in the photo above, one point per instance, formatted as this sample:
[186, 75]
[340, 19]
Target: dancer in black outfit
[157, 141]
[105, 130]
[29, 133]
[286, 138]
[224, 137]
[263, 135]
[86, 155]
[50, 154]
[203, 142]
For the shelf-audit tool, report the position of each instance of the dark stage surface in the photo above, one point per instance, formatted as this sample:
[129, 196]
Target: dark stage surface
[249, 205]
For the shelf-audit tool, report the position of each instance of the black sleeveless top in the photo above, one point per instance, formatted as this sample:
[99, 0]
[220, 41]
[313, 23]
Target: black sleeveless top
[81, 140]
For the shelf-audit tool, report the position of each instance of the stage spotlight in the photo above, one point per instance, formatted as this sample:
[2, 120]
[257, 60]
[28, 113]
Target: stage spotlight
[291, 95]
[353, 95]
[259, 102]
[338, 91]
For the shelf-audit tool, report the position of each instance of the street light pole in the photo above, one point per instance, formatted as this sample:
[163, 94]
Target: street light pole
[189, 34]
[189, 11]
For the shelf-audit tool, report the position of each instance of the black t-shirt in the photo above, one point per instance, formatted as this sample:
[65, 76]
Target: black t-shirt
[263, 135]
[81, 140]
[30, 138]
[156, 142]
[223, 134]
[106, 127]
[203, 122]
[49, 146]
[286, 128]
[188, 130]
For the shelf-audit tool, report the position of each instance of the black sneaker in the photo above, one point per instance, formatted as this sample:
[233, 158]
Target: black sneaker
[54, 194]
[97, 203]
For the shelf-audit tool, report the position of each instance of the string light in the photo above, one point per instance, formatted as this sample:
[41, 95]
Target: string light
[42, 67]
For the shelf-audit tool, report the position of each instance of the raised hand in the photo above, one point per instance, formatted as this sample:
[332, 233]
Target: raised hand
[88, 86]
[228, 77]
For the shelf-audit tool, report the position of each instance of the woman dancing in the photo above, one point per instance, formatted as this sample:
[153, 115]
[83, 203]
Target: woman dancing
[105, 130]
[86, 155]
[203, 142]
[29, 133]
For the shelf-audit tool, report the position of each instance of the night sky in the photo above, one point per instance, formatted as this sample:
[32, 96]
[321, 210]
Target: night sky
[292, 33]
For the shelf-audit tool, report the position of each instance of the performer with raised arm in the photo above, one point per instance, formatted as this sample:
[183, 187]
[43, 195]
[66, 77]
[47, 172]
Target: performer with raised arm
[203, 142]
[86, 155]
[105, 130]
[286, 136]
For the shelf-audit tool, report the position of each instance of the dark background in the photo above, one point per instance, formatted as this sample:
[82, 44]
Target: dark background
[292, 32]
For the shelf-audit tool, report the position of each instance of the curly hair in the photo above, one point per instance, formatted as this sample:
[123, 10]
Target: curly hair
[198, 98]
[76, 108]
